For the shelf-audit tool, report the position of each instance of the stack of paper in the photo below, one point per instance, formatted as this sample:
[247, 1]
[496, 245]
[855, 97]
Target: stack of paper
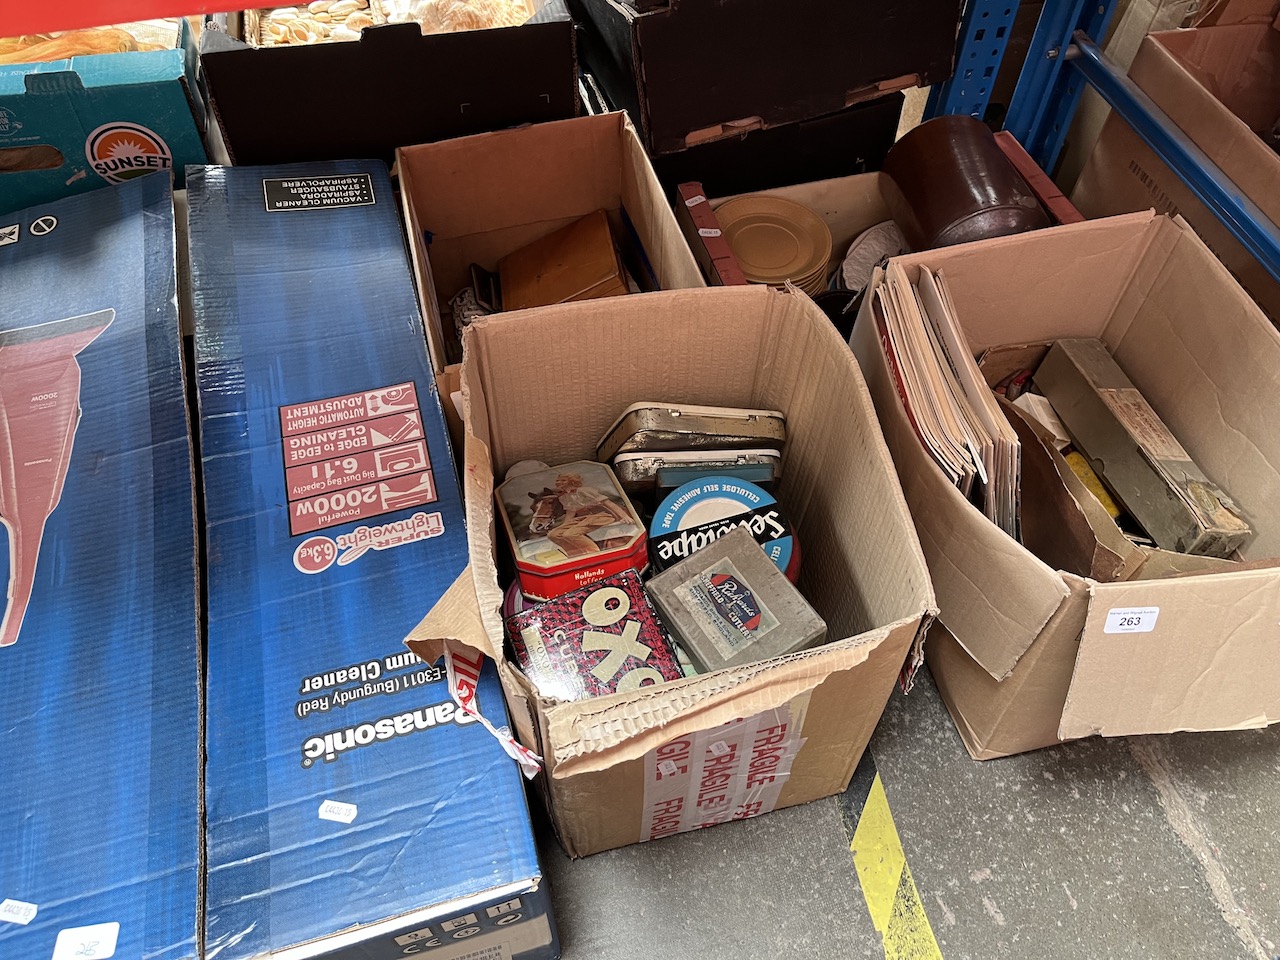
[948, 402]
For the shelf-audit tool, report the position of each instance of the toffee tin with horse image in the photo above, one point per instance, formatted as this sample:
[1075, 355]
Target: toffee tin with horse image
[569, 526]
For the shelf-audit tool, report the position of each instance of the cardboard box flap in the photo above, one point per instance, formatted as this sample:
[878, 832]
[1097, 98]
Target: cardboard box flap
[1165, 563]
[1161, 656]
[552, 195]
[986, 277]
[456, 616]
[600, 733]
[645, 201]
[1062, 522]
[996, 718]
[1200, 351]
[971, 561]
[1234, 65]
[469, 610]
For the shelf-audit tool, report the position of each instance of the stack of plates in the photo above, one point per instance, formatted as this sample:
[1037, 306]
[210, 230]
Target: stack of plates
[777, 240]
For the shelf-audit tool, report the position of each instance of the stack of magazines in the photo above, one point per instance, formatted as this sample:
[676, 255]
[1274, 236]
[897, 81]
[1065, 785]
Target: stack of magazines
[953, 411]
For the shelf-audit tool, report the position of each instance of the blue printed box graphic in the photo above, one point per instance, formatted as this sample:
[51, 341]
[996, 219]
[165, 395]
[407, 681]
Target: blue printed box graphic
[99, 643]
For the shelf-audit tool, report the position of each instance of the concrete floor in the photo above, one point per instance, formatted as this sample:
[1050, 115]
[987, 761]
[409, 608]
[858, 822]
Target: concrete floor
[1151, 847]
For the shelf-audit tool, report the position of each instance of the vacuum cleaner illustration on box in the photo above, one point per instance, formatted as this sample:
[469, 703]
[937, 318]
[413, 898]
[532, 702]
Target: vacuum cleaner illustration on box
[39, 413]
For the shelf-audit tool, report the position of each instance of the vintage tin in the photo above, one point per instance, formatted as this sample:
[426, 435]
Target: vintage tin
[702, 511]
[569, 526]
[514, 601]
[603, 638]
[648, 427]
[644, 474]
[728, 605]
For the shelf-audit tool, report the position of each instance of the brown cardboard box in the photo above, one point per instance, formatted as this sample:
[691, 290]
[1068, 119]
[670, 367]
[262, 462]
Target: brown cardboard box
[547, 383]
[691, 71]
[848, 205]
[1219, 85]
[477, 199]
[1132, 21]
[395, 85]
[1040, 655]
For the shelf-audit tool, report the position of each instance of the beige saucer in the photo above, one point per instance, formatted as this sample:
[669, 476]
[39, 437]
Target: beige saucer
[776, 240]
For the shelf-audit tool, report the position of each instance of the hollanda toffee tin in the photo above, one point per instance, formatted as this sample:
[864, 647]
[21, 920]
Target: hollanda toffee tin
[569, 526]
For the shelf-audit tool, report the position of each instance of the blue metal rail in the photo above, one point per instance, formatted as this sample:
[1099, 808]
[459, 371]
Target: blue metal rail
[1048, 92]
[1212, 187]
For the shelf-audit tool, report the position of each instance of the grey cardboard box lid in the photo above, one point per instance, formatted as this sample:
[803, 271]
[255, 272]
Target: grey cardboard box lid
[728, 605]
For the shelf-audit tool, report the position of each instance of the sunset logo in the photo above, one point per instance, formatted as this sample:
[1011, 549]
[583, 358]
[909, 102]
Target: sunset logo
[121, 151]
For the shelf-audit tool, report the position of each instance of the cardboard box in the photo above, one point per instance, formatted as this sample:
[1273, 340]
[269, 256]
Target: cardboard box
[754, 65]
[1130, 24]
[393, 86]
[340, 771]
[1219, 85]
[476, 199]
[848, 206]
[68, 126]
[853, 140]
[1186, 643]
[794, 726]
[100, 670]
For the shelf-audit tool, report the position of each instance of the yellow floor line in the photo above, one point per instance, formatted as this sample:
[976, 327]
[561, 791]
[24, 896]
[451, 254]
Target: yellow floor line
[887, 884]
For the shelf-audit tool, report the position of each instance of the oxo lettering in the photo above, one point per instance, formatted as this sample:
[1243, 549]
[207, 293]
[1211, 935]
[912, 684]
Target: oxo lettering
[618, 647]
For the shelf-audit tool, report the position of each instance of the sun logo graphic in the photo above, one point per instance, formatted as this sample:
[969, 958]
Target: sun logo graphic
[121, 151]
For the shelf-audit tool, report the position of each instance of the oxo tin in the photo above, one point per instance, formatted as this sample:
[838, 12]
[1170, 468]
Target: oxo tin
[603, 638]
[569, 526]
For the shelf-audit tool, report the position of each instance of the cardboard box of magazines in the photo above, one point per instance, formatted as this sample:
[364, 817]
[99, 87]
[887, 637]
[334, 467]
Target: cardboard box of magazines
[1068, 632]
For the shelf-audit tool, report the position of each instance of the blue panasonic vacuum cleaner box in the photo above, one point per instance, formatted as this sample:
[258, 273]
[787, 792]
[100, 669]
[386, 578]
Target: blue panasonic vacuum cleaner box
[99, 628]
[354, 810]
